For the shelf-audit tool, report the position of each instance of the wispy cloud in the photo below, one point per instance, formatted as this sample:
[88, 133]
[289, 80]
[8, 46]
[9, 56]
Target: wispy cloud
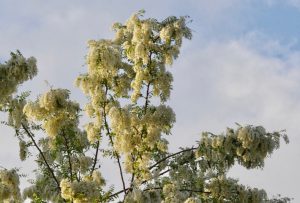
[295, 3]
[235, 81]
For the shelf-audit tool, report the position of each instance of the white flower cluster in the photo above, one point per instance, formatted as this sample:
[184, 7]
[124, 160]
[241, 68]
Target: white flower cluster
[16, 116]
[134, 135]
[228, 190]
[103, 58]
[133, 64]
[193, 200]
[256, 143]
[172, 194]
[55, 110]
[104, 66]
[82, 163]
[93, 132]
[137, 195]
[13, 73]
[43, 189]
[9, 186]
[23, 150]
[84, 191]
[248, 145]
[149, 45]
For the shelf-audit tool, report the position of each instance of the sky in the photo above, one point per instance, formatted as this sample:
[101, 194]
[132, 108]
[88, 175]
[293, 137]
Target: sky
[242, 65]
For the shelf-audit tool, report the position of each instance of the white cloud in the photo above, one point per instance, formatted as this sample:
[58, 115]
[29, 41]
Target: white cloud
[233, 81]
[295, 3]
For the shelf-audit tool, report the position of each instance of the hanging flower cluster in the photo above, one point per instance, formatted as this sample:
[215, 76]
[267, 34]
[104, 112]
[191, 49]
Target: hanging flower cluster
[223, 189]
[54, 110]
[134, 135]
[133, 66]
[14, 72]
[148, 46]
[137, 195]
[43, 188]
[199, 173]
[84, 191]
[65, 146]
[249, 145]
[16, 116]
[9, 186]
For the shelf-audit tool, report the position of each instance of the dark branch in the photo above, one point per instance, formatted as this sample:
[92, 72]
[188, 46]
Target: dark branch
[154, 165]
[112, 142]
[147, 98]
[171, 155]
[42, 154]
[69, 155]
[96, 157]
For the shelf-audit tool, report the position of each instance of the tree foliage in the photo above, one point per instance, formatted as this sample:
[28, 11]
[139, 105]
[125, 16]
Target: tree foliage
[127, 84]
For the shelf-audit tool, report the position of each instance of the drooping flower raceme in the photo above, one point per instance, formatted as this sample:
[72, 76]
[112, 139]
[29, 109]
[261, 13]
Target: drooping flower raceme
[54, 110]
[14, 72]
[9, 186]
[133, 66]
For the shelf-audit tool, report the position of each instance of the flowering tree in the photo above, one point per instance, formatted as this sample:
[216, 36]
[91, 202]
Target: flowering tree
[127, 84]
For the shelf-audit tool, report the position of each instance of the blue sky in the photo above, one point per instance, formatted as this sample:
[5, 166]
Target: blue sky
[242, 65]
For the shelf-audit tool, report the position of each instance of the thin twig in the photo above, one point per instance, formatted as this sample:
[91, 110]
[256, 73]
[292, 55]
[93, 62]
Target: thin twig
[158, 188]
[69, 155]
[147, 97]
[171, 155]
[42, 154]
[96, 157]
[144, 182]
[112, 142]
[151, 167]
[116, 154]
[181, 190]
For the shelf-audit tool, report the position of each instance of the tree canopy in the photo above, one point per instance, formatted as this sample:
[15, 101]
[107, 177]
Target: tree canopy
[127, 85]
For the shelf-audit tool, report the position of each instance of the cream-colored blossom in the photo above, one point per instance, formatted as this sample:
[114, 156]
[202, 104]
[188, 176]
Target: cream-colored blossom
[54, 110]
[66, 191]
[97, 178]
[93, 132]
[14, 72]
[9, 186]
[85, 163]
[23, 150]
[192, 200]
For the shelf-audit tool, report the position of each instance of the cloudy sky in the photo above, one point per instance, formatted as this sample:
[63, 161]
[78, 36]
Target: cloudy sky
[242, 65]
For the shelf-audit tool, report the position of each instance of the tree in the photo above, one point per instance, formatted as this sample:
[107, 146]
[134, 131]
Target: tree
[127, 85]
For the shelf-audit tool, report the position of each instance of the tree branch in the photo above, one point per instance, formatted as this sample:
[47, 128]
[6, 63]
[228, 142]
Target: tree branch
[154, 165]
[171, 155]
[42, 154]
[145, 181]
[147, 97]
[96, 157]
[112, 142]
[115, 153]
[148, 86]
[69, 156]
[159, 188]
[181, 190]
